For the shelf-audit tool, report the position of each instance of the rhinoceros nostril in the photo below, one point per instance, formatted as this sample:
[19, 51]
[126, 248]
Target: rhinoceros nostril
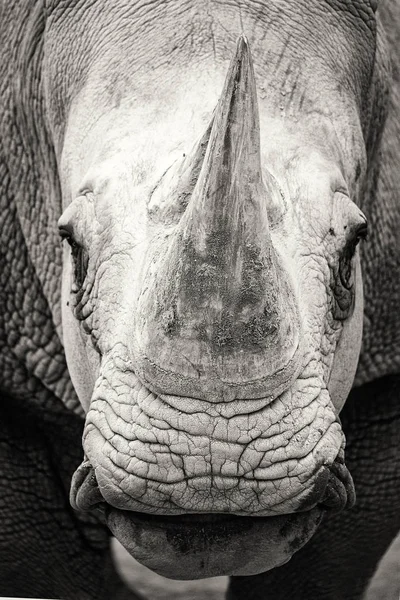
[85, 492]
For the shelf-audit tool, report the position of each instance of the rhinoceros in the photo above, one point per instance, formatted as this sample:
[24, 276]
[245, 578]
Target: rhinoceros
[192, 322]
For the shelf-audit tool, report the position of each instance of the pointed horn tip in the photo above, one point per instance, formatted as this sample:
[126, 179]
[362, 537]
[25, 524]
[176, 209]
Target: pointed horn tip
[243, 49]
[242, 39]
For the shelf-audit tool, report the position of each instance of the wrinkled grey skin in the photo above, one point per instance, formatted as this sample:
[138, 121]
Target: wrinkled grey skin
[82, 81]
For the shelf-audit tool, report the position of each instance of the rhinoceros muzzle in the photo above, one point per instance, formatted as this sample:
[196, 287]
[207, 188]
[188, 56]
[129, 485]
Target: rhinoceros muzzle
[197, 545]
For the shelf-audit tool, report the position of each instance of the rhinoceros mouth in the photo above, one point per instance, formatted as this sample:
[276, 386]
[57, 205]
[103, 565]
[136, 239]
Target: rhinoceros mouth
[199, 545]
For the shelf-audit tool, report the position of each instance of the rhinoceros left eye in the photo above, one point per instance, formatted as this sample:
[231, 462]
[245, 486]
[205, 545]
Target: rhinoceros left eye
[343, 277]
[80, 260]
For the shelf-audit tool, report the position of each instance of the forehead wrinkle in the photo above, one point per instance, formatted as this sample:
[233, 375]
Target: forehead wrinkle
[133, 22]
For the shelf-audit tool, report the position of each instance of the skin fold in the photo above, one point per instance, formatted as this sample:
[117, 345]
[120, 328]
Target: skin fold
[210, 168]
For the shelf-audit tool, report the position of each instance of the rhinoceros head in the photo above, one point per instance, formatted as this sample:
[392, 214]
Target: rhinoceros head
[212, 307]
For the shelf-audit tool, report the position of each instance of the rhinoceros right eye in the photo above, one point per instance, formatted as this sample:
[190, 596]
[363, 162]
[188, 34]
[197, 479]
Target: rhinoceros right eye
[80, 260]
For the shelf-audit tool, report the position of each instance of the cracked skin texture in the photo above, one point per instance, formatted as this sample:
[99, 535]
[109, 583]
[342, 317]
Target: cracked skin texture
[34, 371]
[252, 454]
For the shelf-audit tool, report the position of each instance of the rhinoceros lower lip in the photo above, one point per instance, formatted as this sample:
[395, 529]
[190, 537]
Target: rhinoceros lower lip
[200, 546]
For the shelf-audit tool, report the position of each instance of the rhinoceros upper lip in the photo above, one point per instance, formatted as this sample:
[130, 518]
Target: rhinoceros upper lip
[86, 495]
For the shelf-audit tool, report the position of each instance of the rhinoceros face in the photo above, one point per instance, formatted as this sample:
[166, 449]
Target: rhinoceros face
[212, 300]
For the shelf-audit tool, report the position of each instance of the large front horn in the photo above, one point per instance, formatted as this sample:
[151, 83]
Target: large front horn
[218, 320]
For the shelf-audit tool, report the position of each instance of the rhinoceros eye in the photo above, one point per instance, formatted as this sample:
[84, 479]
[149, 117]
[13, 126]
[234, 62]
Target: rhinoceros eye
[343, 276]
[346, 268]
[79, 257]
